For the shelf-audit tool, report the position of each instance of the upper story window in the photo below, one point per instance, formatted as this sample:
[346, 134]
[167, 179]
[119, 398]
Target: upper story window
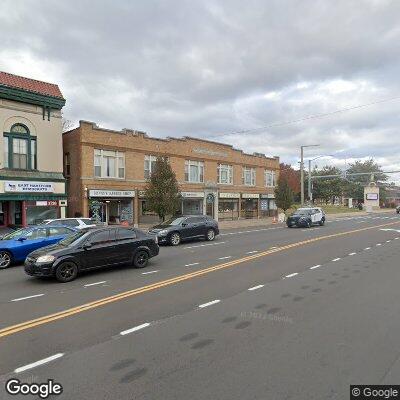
[249, 176]
[20, 151]
[270, 178]
[225, 174]
[194, 171]
[67, 164]
[109, 164]
[149, 165]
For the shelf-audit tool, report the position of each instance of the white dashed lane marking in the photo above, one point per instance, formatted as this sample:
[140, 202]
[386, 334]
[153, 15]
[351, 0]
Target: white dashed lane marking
[149, 272]
[37, 363]
[255, 287]
[352, 254]
[224, 258]
[291, 275]
[336, 259]
[94, 284]
[134, 329]
[189, 265]
[204, 245]
[315, 266]
[210, 303]
[252, 252]
[367, 248]
[28, 297]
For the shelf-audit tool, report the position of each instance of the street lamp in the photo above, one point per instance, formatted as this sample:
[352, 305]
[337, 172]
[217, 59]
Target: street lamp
[309, 174]
[302, 169]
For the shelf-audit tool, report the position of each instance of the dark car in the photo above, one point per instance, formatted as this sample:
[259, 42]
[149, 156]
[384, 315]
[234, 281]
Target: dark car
[92, 248]
[306, 217]
[185, 227]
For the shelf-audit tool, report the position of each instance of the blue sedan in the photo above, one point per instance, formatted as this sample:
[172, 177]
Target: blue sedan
[15, 246]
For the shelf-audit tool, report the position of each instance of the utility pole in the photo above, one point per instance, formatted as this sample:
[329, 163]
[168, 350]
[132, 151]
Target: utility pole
[309, 181]
[302, 169]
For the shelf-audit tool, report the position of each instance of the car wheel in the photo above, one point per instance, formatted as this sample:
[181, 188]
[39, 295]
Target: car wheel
[322, 222]
[308, 224]
[210, 236]
[175, 239]
[66, 272]
[5, 259]
[141, 259]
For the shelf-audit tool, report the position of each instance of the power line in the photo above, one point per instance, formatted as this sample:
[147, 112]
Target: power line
[315, 116]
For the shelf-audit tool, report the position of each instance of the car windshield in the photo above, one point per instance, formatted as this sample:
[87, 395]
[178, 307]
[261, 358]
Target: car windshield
[173, 221]
[72, 238]
[16, 234]
[302, 212]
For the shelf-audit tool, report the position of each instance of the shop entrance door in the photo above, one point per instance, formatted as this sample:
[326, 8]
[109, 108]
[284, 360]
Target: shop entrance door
[18, 213]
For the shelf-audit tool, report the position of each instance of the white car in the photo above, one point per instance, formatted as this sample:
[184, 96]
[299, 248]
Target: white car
[77, 223]
[306, 217]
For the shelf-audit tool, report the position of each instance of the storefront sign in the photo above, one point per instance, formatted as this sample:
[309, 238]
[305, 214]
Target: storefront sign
[267, 196]
[47, 203]
[250, 195]
[371, 196]
[111, 193]
[28, 187]
[193, 195]
[229, 195]
[210, 198]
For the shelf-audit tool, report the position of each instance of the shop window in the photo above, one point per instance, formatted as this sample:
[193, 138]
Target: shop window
[249, 176]
[67, 164]
[20, 150]
[109, 164]
[270, 178]
[225, 174]
[194, 171]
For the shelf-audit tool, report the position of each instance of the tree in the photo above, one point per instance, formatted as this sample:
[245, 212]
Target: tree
[162, 190]
[327, 188]
[292, 177]
[283, 194]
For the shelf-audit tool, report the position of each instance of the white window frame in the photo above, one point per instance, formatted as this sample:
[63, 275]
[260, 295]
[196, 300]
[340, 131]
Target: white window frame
[150, 161]
[250, 173]
[229, 173]
[101, 163]
[188, 165]
[269, 178]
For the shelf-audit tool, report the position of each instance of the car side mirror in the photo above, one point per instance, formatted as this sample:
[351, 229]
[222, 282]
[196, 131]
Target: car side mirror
[22, 239]
[87, 246]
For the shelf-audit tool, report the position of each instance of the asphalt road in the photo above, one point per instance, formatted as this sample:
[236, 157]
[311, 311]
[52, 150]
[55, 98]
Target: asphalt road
[266, 313]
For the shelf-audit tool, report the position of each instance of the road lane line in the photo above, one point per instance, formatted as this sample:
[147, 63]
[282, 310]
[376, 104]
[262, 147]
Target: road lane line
[37, 363]
[252, 252]
[210, 303]
[396, 238]
[367, 248]
[94, 284]
[379, 244]
[22, 326]
[315, 266]
[134, 329]
[189, 265]
[388, 241]
[28, 297]
[250, 231]
[204, 245]
[352, 254]
[224, 258]
[336, 259]
[150, 272]
[255, 287]
[291, 275]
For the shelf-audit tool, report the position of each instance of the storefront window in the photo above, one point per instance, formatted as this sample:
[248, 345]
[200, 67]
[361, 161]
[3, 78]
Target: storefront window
[192, 207]
[249, 208]
[249, 176]
[228, 209]
[37, 214]
[269, 177]
[225, 174]
[194, 171]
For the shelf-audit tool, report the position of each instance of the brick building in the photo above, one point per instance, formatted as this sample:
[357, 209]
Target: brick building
[32, 186]
[106, 174]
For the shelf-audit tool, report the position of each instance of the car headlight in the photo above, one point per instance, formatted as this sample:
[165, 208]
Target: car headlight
[163, 232]
[45, 259]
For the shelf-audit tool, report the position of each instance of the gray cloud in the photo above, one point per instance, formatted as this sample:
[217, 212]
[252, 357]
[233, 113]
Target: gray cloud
[209, 68]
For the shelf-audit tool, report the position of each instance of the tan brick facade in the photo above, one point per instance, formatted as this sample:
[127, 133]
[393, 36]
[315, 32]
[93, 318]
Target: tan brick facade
[231, 200]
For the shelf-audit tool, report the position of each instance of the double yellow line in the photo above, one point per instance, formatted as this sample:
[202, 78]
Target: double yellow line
[134, 292]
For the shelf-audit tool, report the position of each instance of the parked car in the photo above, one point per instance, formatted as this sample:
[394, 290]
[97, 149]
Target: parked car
[78, 223]
[92, 248]
[185, 227]
[306, 217]
[15, 246]
[398, 209]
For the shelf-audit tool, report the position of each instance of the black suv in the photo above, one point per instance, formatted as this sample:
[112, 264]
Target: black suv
[92, 248]
[185, 227]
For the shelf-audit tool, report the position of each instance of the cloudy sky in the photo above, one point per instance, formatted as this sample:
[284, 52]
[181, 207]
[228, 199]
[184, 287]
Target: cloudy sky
[221, 69]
